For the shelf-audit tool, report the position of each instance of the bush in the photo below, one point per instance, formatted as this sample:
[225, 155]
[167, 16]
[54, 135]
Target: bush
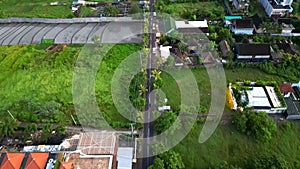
[259, 125]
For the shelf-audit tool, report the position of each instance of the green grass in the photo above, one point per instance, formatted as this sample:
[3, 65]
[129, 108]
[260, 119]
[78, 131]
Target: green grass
[173, 94]
[226, 144]
[30, 72]
[36, 8]
[212, 10]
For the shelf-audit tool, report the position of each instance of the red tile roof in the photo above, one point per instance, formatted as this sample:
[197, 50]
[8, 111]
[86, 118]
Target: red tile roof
[66, 165]
[12, 161]
[285, 88]
[37, 161]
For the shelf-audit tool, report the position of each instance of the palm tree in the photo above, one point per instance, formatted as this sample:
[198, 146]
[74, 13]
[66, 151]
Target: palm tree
[156, 74]
[142, 90]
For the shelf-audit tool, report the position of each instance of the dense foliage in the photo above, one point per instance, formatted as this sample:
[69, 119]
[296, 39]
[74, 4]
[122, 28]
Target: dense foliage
[168, 160]
[259, 125]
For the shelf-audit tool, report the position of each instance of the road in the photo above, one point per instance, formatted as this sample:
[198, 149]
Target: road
[150, 99]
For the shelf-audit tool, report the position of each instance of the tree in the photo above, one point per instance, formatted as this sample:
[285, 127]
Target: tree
[267, 161]
[135, 9]
[111, 11]
[158, 164]
[172, 160]
[259, 125]
[165, 121]
[7, 126]
[60, 129]
[225, 165]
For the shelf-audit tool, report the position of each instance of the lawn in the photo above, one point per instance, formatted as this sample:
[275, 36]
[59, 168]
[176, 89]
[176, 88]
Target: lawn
[35, 9]
[31, 73]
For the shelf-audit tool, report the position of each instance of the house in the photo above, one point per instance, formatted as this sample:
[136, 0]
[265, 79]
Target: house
[92, 150]
[293, 102]
[242, 26]
[285, 89]
[224, 48]
[165, 52]
[36, 161]
[228, 19]
[287, 47]
[26, 160]
[192, 27]
[253, 52]
[286, 25]
[66, 165]
[257, 22]
[276, 7]
[11, 160]
[261, 98]
[241, 4]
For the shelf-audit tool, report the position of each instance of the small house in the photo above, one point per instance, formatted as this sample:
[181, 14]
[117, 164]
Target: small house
[242, 26]
[253, 52]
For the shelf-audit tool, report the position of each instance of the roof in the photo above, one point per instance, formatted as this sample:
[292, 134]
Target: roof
[12, 161]
[66, 165]
[258, 98]
[243, 23]
[285, 88]
[253, 49]
[97, 143]
[224, 47]
[165, 51]
[191, 24]
[36, 161]
[124, 157]
[228, 18]
[190, 30]
[286, 47]
[273, 96]
[91, 162]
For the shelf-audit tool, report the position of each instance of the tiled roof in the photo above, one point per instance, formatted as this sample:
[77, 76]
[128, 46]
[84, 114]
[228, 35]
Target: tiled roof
[285, 88]
[65, 165]
[37, 161]
[12, 161]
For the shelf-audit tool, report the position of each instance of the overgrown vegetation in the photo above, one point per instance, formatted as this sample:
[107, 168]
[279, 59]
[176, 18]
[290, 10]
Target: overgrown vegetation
[259, 125]
[37, 86]
[35, 9]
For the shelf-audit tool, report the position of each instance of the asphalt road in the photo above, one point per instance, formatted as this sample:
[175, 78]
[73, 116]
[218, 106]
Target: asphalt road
[148, 115]
[71, 33]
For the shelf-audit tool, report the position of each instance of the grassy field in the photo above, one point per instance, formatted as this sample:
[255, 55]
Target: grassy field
[201, 76]
[226, 144]
[186, 10]
[36, 8]
[29, 72]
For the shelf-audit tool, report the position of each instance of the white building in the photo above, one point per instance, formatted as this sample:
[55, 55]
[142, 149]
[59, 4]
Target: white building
[265, 99]
[276, 7]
